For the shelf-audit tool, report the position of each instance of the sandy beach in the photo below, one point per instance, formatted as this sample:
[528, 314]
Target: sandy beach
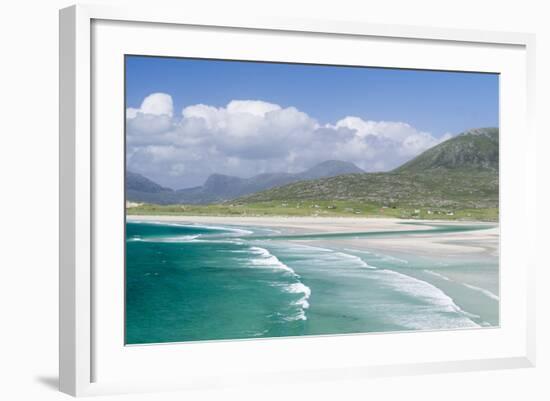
[443, 244]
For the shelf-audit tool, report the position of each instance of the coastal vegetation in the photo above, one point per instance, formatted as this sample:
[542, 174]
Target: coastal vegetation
[314, 208]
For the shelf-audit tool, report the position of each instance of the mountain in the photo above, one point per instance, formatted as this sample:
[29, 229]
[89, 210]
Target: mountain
[219, 187]
[475, 149]
[142, 189]
[137, 182]
[461, 172]
[329, 168]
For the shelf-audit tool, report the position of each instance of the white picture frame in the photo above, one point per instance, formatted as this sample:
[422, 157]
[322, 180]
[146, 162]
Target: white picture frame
[82, 205]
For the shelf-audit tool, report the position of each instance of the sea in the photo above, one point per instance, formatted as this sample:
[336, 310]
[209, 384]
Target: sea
[192, 282]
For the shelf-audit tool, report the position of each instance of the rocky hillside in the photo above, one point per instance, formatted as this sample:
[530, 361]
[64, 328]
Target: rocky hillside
[461, 172]
[476, 149]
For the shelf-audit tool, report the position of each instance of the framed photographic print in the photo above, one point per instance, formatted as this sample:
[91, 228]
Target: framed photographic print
[300, 200]
[392, 228]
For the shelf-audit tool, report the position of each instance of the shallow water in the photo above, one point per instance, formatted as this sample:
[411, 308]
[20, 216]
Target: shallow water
[193, 282]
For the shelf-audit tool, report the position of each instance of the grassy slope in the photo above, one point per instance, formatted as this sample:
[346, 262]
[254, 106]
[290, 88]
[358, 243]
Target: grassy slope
[434, 185]
[477, 149]
[316, 208]
[450, 195]
[435, 189]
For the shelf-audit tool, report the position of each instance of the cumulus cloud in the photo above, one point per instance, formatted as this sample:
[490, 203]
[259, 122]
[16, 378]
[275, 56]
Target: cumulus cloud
[406, 140]
[156, 104]
[248, 137]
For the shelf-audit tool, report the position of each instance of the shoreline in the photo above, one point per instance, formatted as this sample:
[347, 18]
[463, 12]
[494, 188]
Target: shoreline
[484, 241]
[309, 221]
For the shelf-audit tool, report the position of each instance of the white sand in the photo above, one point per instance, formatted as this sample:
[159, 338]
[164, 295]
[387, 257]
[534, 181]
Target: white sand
[441, 244]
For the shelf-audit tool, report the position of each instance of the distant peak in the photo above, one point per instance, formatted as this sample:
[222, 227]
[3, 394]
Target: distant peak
[334, 162]
[473, 149]
[330, 168]
[138, 182]
[486, 131]
[220, 179]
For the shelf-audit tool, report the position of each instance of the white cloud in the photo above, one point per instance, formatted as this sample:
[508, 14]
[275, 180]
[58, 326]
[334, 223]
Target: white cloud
[255, 107]
[154, 116]
[147, 127]
[156, 104]
[131, 112]
[408, 140]
[248, 137]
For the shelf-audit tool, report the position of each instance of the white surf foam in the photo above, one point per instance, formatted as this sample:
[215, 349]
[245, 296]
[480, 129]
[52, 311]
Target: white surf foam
[436, 300]
[266, 259]
[393, 258]
[483, 291]
[472, 287]
[439, 275]
[179, 238]
[309, 248]
[134, 238]
[355, 259]
[192, 225]
[358, 251]
[378, 255]
[176, 239]
[223, 228]
[300, 288]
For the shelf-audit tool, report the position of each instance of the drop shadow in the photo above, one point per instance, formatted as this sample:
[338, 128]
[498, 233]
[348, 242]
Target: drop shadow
[52, 382]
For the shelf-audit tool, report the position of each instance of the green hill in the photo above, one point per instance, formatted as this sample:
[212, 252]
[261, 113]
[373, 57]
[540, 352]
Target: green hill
[475, 149]
[458, 174]
[438, 189]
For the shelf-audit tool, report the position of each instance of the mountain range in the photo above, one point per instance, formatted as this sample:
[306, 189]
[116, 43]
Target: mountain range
[220, 187]
[461, 172]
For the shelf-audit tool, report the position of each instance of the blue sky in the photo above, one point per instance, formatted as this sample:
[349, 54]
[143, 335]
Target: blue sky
[433, 101]
[189, 118]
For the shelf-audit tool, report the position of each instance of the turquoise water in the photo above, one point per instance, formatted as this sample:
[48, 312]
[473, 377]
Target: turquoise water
[193, 282]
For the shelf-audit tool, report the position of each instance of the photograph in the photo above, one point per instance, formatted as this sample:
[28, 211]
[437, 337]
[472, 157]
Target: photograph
[276, 199]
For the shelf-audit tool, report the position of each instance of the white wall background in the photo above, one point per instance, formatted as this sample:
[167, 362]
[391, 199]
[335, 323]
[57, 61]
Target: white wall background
[29, 209]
